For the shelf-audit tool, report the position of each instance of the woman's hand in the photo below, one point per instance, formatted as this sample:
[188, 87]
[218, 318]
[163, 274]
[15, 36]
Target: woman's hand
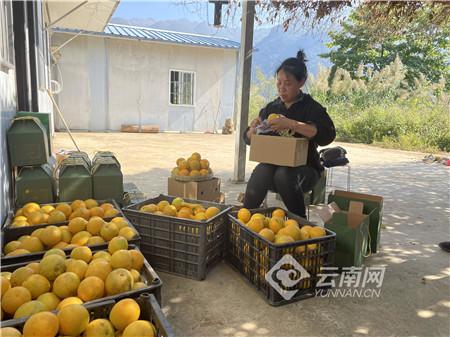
[281, 124]
[254, 123]
[252, 129]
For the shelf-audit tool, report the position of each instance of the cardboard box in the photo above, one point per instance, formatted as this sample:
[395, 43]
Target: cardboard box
[282, 151]
[373, 205]
[351, 228]
[208, 190]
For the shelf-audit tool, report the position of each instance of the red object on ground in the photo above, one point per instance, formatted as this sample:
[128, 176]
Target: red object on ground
[448, 162]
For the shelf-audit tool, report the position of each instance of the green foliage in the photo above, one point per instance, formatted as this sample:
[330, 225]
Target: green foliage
[423, 47]
[262, 92]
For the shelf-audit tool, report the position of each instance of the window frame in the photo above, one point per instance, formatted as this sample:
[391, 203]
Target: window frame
[6, 32]
[194, 89]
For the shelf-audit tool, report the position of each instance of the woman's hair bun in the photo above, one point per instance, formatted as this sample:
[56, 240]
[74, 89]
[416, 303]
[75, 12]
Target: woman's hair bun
[301, 56]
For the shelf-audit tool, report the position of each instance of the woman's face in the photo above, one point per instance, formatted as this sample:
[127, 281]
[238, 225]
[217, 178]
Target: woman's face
[288, 86]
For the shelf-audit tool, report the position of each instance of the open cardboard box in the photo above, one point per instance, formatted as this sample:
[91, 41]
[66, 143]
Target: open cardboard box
[277, 150]
[208, 190]
[351, 228]
[373, 206]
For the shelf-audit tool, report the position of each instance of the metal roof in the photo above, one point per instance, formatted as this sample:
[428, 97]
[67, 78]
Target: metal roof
[159, 35]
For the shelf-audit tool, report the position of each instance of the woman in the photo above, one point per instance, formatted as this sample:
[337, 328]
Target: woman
[302, 116]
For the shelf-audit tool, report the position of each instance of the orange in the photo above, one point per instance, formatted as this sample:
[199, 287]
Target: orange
[77, 224]
[99, 268]
[37, 285]
[275, 224]
[13, 298]
[90, 203]
[56, 216]
[77, 204]
[110, 213]
[109, 230]
[107, 206]
[137, 259]
[50, 300]
[68, 301]
[5, 285]
[91, 288]
[279, 213]
[211, 212]
[78, 267]
[81, 253]
[244, 215]
[52, 266]
[73, 319]
[20, 275]
[118, 281]
[42, 324]
[64, 208]
[81, 238]
[122, 259]
[255, 225]
[117, 243]
[51, 235]
[80, 212]
[94, 225]
[66, 285]
[99, 328]
[204, 164]
[139, 328]
[97, 211]
[123, 313]
[29, 308]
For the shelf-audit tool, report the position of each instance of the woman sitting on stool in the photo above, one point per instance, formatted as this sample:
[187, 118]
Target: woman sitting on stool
[304, 117]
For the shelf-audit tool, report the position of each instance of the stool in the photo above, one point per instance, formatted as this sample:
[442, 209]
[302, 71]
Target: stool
[330, 175]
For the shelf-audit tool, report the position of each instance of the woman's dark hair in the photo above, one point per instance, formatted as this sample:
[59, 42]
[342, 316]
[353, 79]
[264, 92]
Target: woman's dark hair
[296, 66]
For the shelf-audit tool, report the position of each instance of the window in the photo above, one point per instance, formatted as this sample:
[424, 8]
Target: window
[6, 35]
[182, 87]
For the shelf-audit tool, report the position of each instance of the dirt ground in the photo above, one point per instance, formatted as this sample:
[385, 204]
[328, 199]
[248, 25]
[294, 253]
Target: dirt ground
[415, 295]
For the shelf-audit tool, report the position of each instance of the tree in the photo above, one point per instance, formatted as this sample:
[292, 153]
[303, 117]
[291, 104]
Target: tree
[422, 45]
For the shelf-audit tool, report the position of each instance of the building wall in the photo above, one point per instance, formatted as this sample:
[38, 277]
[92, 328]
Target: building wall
[7, 112]
[110, 82]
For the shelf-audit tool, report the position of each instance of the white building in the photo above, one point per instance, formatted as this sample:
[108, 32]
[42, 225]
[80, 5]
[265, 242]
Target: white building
[133, 75]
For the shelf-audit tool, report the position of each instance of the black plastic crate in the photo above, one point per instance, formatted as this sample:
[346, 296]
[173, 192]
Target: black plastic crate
[253, 257]
[150, 311]
[7, 225]
[14, 233]
[179, 246]
[150, 277]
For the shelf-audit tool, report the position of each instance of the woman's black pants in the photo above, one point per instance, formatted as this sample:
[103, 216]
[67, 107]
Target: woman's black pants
[289, 182]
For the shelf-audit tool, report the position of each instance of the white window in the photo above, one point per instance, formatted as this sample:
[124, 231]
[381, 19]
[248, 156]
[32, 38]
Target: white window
[6, 35]
[182, 85]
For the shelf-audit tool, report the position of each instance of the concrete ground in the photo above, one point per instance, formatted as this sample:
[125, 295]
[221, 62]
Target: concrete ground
[415, 295]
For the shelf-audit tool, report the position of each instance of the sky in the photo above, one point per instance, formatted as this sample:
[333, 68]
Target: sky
[166, 10]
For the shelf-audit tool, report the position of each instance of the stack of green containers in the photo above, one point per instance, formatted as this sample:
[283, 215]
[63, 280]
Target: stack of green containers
[35, 184]
[27, 142]
[75, 180]
[107, 178]
[28, 148]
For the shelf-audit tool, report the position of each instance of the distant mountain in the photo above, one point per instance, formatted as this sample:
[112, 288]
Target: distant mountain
[279, 45]
[272, 45]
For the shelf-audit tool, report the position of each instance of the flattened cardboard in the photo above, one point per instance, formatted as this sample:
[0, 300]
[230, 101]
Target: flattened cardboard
[282, 151]
[208, 190]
